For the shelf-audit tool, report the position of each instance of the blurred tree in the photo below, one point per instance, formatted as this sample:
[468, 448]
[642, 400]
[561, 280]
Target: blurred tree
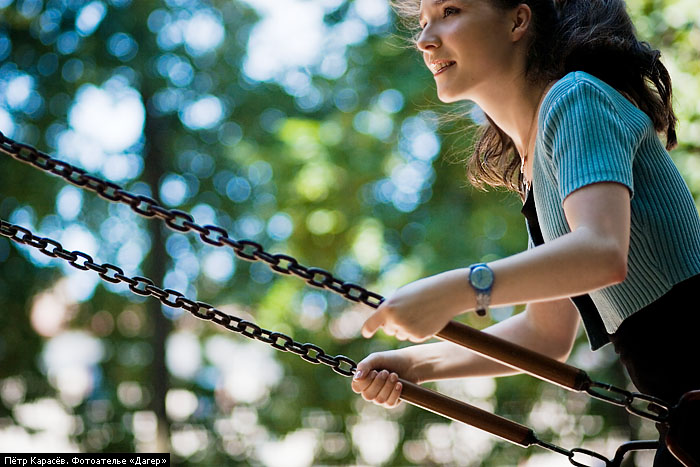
[310, 127]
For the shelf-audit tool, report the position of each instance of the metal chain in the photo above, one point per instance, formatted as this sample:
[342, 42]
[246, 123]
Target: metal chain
[657, 410]
[571, 455]
[581, 457]
[146, 287]
[312, 353]
[181, 221]
[249, 250]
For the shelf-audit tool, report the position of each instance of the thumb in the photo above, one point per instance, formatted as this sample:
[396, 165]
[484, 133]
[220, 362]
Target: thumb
[374, 361]
[363, 369]
[373, 323]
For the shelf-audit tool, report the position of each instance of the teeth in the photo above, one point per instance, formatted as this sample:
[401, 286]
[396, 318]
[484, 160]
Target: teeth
[439, 66]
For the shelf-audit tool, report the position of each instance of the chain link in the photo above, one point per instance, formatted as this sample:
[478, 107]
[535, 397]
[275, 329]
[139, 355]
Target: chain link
[183, 222]
[581, 457]
[587, 453]
[657, 410]
[146, 287]
[577, 456]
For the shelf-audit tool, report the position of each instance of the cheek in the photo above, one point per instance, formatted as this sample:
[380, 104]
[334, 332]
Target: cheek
[483, 40]
[496, 44]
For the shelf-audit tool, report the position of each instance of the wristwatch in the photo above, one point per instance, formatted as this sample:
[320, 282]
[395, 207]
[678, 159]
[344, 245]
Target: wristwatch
[481, 279]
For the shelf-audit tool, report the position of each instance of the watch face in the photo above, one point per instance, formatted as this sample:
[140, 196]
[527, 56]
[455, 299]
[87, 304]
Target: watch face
[481, 277]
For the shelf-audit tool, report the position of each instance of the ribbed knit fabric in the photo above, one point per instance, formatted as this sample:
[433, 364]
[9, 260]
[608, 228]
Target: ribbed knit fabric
[588, 133]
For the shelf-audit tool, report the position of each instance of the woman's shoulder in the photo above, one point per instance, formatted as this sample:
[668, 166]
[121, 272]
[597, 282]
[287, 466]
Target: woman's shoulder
[576, 85]
[585, 93]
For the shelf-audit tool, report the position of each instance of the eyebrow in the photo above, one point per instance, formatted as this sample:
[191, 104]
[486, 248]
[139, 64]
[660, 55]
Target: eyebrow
[435, 2]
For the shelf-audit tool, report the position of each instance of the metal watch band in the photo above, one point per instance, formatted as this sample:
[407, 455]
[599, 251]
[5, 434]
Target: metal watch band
[483, 299]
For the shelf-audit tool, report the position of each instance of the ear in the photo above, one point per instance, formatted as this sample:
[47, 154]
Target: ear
[521, 19]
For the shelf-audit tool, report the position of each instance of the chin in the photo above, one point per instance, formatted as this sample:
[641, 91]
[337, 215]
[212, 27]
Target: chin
[447, 97]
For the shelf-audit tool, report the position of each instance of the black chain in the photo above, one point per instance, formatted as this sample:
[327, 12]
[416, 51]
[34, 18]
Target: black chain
[183, 222]
[581, 457]
[657, 410]
[174, 299]
[312, 353]
[252, 251]
[248, 250]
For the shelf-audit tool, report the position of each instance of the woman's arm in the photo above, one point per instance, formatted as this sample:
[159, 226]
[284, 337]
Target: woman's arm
[548, 328]
[592, 256]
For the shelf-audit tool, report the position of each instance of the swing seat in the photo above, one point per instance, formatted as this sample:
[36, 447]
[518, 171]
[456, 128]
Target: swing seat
[683, 437]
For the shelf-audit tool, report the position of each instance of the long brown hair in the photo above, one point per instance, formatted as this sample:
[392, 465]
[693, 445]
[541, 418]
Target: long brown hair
[595, 36]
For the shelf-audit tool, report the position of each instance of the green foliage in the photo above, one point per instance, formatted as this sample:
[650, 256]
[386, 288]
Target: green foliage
[303, 170]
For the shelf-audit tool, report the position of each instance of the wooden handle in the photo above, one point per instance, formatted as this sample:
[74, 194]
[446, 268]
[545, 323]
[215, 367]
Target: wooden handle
[516, 356]
[463, 412]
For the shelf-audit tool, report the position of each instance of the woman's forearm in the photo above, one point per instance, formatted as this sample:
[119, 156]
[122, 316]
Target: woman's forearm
[571, 265]
[534, 329]
[592, 256]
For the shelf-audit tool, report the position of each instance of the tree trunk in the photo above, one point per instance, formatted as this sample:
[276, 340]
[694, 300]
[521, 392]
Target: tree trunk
[154, 268]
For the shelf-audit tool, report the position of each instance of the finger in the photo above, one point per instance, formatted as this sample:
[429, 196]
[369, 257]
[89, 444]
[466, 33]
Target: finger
[402, 336]
[388, 388]
[376, 387]
[364, 369]
[393, 399]
[418, 340]
[372, 324]
[361, 384]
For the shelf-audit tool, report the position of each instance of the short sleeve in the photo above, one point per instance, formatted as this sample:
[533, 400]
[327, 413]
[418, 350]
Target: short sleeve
[530, 241]
[588, 140]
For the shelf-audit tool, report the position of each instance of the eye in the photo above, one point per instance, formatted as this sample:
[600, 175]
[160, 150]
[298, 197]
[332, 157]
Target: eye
[448, 11]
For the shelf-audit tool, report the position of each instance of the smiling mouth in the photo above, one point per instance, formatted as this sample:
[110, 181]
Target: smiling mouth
[439, 67]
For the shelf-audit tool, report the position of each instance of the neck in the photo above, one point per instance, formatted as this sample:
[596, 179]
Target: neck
[514, 108]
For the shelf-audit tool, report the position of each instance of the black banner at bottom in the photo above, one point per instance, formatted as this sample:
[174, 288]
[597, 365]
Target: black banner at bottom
[84, 459]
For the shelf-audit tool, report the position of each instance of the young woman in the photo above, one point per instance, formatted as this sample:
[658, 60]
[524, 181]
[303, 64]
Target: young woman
[576, 106]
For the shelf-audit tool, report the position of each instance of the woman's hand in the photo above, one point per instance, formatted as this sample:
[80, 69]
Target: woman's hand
[377, 377]
[422, 308]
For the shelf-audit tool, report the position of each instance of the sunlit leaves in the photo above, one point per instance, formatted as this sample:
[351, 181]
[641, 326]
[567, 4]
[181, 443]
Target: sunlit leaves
[97, 110]
[316, 180]
[89, 17]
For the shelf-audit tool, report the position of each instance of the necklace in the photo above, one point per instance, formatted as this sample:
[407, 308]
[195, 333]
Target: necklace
[524, 158]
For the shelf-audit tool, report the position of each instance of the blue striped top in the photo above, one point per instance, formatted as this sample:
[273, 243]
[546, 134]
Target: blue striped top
[588, 133]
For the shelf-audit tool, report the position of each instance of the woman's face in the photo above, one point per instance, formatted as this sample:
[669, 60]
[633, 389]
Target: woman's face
[466, 44]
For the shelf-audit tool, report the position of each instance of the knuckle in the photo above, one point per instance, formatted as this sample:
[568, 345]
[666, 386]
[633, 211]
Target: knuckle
[388, 307]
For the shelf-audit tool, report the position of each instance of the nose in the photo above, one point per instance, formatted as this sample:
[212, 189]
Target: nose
[428, 39]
